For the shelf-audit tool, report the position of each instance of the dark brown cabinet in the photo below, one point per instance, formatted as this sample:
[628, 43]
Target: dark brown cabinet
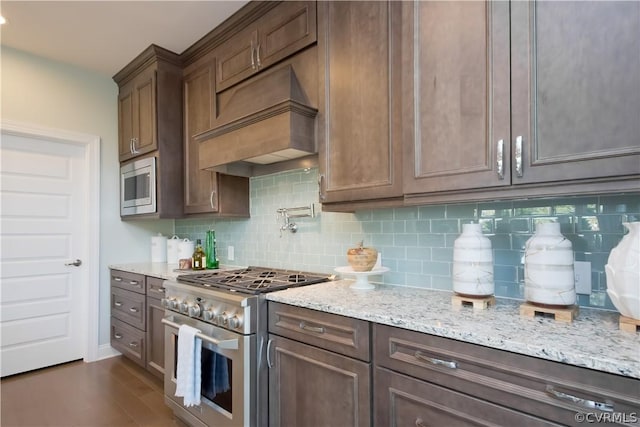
[279, 33]
[360, 114]
[155, 329]
[444, 381]
[206, 192]
[320, 369]
[136, 115]
[520, 95]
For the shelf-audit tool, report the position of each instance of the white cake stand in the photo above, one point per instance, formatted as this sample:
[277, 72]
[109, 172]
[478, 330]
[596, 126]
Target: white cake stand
[362, 277]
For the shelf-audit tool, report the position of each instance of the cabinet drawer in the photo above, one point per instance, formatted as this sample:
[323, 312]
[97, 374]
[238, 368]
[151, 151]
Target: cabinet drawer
[343, 335]
[155, 288]
[128, 307]
[528, 384]
[404, 401]
[128, 340]
[130, 281]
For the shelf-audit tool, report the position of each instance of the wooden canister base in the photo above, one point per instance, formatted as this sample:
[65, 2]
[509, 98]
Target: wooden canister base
[476, 301]
[559, 313]
[629, 324]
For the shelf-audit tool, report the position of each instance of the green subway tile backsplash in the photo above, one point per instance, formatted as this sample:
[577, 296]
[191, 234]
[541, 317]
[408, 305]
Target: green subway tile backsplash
[416, 243]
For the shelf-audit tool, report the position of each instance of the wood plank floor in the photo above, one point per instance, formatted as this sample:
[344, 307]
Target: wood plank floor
[110, 392]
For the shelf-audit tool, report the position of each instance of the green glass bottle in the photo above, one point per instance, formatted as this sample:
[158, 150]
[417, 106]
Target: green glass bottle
[210, 250]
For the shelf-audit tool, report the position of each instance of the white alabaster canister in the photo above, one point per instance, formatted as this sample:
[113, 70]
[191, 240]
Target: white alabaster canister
[623, 272]
[472, 263]
[548, 267]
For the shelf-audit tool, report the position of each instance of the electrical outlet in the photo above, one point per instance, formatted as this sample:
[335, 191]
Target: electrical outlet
[230, 253]
[582, 274]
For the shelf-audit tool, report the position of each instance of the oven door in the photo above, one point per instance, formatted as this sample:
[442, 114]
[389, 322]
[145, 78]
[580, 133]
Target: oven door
[228, 372]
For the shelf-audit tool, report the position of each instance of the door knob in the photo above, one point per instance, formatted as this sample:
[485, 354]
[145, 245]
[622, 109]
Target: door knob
[75, 263]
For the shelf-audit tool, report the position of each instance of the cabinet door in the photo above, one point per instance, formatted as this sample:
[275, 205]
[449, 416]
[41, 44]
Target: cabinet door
[199, 111]
[236, 58]
[404, 401]
[284, 30]
[155, 337]
[144, 108]
[125, 121]
[310, 386]
[576, 89]
[457, 95]
[359, 126]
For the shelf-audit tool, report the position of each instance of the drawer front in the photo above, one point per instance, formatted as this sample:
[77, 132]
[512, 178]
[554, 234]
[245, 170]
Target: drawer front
[155, 288]
[128, 307]
[130, 281]
[340, 334]
[404, 401]
[128, 340]
[528, 384]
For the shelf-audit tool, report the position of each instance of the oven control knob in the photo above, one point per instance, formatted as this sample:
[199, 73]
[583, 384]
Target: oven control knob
[184, 308]
[165, 302]
[208, 315]
[221, 319]
[174, 304]
[194, 310]
[234, 322]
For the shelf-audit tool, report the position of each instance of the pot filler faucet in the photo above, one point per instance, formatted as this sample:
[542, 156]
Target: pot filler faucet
[287, 224]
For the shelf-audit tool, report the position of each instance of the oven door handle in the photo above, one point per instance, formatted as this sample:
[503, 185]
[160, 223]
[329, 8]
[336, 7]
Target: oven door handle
[231, 344]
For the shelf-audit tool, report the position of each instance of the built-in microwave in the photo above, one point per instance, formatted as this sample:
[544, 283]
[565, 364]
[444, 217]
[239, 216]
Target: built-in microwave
[138, 187]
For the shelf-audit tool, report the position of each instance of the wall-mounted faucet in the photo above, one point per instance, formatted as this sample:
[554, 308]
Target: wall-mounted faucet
[287, 224]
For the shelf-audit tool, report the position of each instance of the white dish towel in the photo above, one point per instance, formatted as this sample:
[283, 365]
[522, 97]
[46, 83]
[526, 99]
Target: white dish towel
[188, 375]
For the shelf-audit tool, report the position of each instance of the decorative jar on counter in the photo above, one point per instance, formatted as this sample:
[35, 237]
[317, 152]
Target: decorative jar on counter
[472, 263]
[623, 272]
[548, 267]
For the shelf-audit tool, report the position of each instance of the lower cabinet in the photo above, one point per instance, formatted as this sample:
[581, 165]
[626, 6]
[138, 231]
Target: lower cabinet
[310, 384]
[136, 314]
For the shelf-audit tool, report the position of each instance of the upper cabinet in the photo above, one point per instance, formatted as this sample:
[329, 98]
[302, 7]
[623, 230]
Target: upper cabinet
[522, 96]
[282, 31]
[206, 192]
[359, 123]
[149, 99]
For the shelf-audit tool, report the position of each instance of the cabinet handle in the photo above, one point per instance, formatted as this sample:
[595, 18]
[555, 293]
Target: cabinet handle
[117, 304]
[519, 156]
[134, 283]
[133, 344]
[449, 364]
[134, 310]
[590, 404]
[160, 290]
[117, 279]
[117, 336]
[131, 145]
[269, 364]
[316, 329]
[500, 159]
[320, 192]
[420, 423]
[258, 56]
[253, 61]
[211, 198]
[135, 150]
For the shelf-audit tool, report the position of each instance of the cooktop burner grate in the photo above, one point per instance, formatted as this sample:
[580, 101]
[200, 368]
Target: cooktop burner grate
[252, 280]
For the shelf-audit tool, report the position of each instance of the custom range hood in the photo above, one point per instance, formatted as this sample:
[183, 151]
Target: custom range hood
[264, 126]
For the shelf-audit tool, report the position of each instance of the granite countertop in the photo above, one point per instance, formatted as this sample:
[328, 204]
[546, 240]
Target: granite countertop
[592, 340]
[160, 269]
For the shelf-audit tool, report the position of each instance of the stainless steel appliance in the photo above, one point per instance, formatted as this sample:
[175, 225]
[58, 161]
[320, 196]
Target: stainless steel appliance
[229, 309]
[138, 187]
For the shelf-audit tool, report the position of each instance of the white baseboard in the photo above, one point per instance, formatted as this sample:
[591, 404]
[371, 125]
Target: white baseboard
[105, 351]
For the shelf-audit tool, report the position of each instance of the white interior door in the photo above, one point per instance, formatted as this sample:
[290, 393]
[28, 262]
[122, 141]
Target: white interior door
[44, 222]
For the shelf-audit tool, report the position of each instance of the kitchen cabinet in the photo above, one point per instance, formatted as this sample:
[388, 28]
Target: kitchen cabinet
[319, 368]
[154, 334]
[434, 380]
[206, 192]
[284, 30]
[520, 98]
[136, 315]
[150, 123]
[360, 108]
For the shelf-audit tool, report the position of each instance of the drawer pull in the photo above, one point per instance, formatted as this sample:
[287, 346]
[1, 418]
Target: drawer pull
[117, 279]
[451, 365]
[134, 310]
[117, 336]
[134, 283]
[117, 304]
[590, 404]
[133, 344]
[420, 423]
[316, 329]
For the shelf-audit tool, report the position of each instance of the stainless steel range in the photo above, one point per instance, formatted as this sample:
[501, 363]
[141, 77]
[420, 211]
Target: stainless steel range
[229, 309]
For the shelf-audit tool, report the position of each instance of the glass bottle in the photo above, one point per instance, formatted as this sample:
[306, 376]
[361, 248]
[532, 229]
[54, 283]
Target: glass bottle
[199, 258]
[210, 249]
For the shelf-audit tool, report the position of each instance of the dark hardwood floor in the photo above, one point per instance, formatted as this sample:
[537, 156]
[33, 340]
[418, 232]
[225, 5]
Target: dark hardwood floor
[110, 392]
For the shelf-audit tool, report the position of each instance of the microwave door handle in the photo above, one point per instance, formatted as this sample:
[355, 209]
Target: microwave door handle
[231, 344]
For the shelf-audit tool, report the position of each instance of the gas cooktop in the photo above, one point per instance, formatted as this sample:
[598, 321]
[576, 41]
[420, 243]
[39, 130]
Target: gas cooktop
[252, 280]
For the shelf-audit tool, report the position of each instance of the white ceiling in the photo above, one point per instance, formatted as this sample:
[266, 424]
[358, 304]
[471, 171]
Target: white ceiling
[104, 36]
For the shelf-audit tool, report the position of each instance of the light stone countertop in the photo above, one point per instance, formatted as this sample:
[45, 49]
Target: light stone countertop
[160, 269]
[592, 340]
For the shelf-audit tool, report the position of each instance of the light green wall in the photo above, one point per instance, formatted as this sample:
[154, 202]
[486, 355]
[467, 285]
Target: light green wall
[45, 93]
